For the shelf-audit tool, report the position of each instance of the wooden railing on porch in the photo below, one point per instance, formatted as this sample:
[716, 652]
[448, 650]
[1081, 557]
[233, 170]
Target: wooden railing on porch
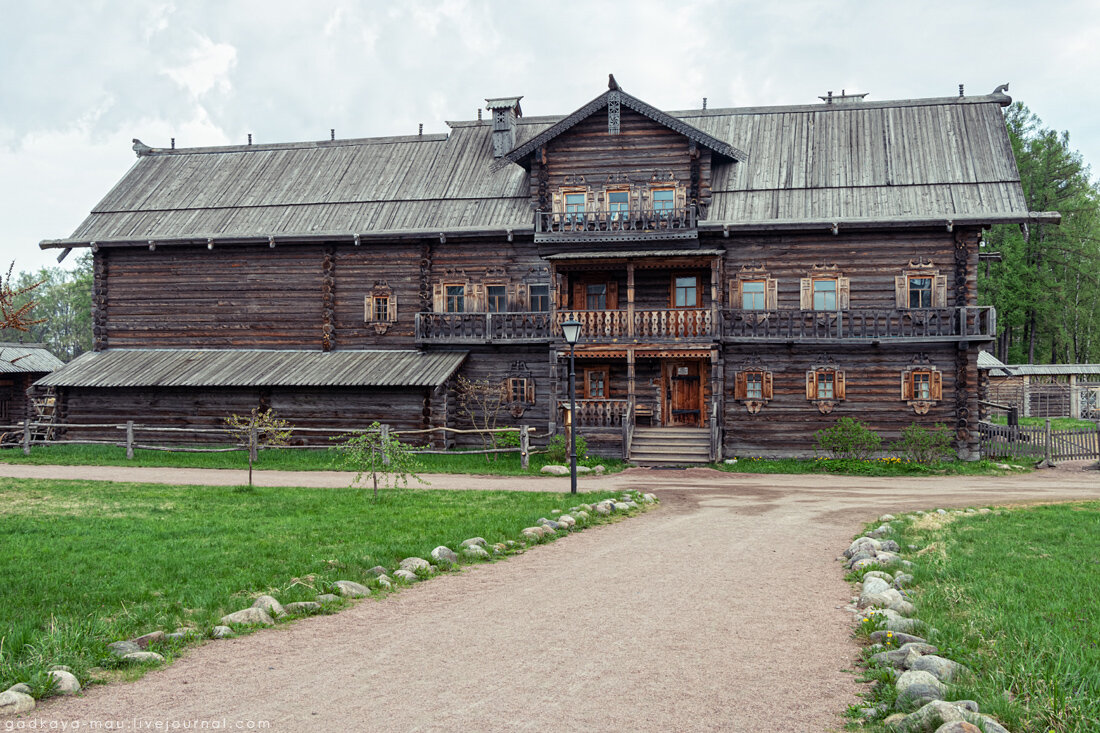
[598, 413]
[515, 327]
[648, 325]
[635, 223]
[863, 324]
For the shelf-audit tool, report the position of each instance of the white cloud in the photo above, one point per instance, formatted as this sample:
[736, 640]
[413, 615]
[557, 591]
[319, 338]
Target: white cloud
[207, 67]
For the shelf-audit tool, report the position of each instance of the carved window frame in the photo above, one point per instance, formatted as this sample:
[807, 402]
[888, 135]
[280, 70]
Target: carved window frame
[380, 291]
[821, 273]
[531, 297]
[918, 404]
[519, 382]
[589, 372]
[489, 299]
[753, 273]
[753, 403]
[447, 297]
[814, 375]
[920, 268]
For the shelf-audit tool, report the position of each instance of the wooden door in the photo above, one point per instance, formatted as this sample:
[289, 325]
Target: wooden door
[682, 393]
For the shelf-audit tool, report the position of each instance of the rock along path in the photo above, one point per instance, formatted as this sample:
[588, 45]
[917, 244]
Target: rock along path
[719, 610]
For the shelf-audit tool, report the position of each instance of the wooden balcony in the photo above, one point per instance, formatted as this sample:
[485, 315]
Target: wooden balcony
[466, 328]
[597, 413]
[667, 324]
[616, 226]
[861, 325]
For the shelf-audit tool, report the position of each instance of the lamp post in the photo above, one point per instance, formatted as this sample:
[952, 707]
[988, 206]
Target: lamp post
[571, 332]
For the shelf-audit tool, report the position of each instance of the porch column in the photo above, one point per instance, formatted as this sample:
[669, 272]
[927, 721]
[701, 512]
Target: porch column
[715, 294]
[552, 424]
[630, 314]
[630, 377]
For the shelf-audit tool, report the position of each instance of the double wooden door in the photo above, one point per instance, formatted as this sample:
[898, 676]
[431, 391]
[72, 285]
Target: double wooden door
[682, 393]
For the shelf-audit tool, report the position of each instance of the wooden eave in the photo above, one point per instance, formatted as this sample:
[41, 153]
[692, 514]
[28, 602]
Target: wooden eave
[522, 153]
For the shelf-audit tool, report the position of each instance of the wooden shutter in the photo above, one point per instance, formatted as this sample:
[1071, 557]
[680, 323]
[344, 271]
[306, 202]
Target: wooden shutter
[939, 294]
[767, 385]
[391, 312]
[558, 203]
[901, 296]
[842, 292]
[635, 201]
[838, 389]
[906, 385]
[937, 385]
[475, 298]
[680, 198]
[521, 301]
[579, 303]
[735, 293]
[806, 298]
[740, 385]
[368, 308]
[530, 391]
[560, 293]
[438, 303]
[612, 295]
[811, 385]
[771, 294]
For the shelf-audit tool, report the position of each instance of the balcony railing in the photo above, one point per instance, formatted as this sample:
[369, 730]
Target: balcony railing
[666, 324]
[598, 413]
[975, 323]
[464, 328]
[601, 226]
[861, 324]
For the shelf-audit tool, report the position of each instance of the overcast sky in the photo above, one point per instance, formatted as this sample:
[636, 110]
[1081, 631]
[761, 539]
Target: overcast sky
[80, 78]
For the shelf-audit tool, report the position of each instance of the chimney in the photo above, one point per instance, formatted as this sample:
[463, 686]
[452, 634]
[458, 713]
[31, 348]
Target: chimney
[505, 113]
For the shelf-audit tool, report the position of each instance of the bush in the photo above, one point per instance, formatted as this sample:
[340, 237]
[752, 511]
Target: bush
[507, 440]
[922, 445]
[557, 450]
[849, 439]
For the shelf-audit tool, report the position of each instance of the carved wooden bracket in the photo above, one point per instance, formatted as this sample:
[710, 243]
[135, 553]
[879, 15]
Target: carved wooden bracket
[754, 406]
[825, 406]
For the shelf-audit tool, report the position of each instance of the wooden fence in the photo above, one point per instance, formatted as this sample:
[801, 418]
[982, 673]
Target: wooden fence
[181, 440]
[1017, 441]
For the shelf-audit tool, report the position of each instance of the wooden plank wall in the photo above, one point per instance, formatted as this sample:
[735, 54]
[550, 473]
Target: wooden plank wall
[495, 364]
[787, 423]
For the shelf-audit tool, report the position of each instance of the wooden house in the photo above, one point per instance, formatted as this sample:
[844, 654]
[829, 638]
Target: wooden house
[744, 277]
[21, 365]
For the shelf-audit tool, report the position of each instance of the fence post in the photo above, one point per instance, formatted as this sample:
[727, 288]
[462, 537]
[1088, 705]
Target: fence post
[253, 443]
[524, 448]
[385, 445]
[27, 437]
[1047, 448]
[129, 440]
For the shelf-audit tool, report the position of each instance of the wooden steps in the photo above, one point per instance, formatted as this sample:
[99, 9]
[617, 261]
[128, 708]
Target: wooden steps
[670, 446]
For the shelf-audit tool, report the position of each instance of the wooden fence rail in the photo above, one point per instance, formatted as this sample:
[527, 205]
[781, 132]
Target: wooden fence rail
[1017, 441]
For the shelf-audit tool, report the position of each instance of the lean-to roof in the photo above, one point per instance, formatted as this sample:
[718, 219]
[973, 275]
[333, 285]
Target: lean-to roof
[901, 162]
[26, 358]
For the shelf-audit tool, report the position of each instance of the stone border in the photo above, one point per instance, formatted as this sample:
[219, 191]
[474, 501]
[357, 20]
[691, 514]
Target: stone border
[922, 678]
[266, 609]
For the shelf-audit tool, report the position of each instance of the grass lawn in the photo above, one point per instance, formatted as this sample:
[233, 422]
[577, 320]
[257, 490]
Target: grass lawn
[87, 563]
[1056, 423]
[321, 459]
[1013, 596]
[874, 467]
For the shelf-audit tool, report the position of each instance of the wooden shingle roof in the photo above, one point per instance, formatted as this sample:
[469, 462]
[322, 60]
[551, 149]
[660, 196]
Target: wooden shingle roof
[858, 163]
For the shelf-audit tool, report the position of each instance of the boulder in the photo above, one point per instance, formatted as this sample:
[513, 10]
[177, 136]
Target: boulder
[622, 506]
[959, 726]
[864, 553]
[917, 688]
[414, 563]
[886, 559]
[269, 604]
[143, 658]
[880, 574]
[479, 541]
[377, 571]
[864, 563]
[902, 606]
[303, 608]
[945, 670]
[933, 715]
[384, 582]
[15, 703]
[327, 598]
[221, 632]
[886, 518]
[122, 648]
[885, 599]
[862, 544]
[603, 509]
[873, 585]
[476, 552]
[649, 498]
[880, 530]
[555, 470]
[903, 580]
[146, 639]
[599, 470]
[896, 637]
[351, 589]
[532, 534]
[897, 658]
[544, 522]
[66, 682]
[894, 621]
[582, 516]
[581, 470]
[407, 575]
[890, 546]
[567, 521]
[992, 726]
[20, 687]
[444, 556]
[247, 616]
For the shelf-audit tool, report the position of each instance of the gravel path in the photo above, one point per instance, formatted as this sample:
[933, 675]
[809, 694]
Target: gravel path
[720, 610]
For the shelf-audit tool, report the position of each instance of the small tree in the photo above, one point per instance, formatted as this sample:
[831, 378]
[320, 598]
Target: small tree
[258, 427]
[848, 438]
[480, 401]
[924, 445]
[379, 453]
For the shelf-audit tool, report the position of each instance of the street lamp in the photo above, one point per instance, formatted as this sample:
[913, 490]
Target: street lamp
[571, 332]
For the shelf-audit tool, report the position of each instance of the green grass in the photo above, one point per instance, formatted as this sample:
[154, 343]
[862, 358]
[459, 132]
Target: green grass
[320, 459]
[875, 467]
[86, 563]
[1056, 423]
[1013, 596]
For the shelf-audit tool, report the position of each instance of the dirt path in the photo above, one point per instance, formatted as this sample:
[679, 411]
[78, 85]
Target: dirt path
[719, 610]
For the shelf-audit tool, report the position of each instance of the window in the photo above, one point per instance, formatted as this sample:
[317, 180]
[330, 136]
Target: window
[381, 308]
[825, 292]
[497, 296]
[920, 292]
[921, 386]
[618, 204]
[519, 389]
[540, 298]
[663, 200]
[685, 292]
[754, 385]
[456, 299]
[595, 384]
[574, 206]
[825, 385]
[596, 297]
[752, 295]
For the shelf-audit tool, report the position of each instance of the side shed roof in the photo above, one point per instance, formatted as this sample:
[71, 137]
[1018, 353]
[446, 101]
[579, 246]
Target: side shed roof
[27, 358]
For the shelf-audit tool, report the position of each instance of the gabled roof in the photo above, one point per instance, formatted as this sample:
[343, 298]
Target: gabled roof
[256, 368]
[27, 358]
[694, 134]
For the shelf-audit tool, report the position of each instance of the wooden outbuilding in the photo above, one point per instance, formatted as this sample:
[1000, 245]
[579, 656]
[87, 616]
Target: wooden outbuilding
[744, 277]
[20, 366]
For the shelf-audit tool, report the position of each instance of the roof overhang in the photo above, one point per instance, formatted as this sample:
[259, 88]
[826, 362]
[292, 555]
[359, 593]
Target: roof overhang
[908, 222]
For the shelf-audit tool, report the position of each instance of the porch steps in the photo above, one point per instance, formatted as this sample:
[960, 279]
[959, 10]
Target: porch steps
[669, 446]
